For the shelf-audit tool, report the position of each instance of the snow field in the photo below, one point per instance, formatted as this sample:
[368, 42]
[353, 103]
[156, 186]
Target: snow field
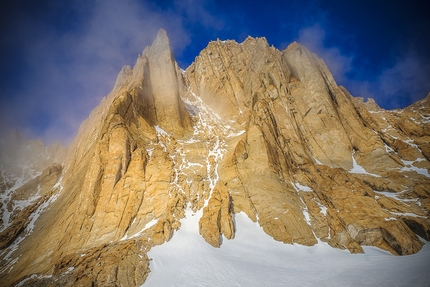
[253, 258]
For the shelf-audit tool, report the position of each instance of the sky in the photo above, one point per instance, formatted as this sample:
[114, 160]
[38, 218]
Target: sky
[60, 57]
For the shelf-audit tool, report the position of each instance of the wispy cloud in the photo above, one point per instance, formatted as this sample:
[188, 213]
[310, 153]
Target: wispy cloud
[196, 11]
[64, 57]
[66, 72]
[409, 76]
[395, 86]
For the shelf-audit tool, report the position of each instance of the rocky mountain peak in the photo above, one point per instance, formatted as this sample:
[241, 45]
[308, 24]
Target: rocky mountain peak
[293, 45]
[370, 104]
[161, 42]
[245, 129]
[257, 41]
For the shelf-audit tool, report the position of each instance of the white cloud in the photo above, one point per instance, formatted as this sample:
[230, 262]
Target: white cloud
[408, 76]
[195, 11]
[405, 82]
[68, 71]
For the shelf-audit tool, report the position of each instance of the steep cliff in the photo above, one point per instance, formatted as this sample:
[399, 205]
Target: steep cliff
[246, 128]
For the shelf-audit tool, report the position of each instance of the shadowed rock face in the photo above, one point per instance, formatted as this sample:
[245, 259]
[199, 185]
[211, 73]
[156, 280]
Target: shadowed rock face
[245, 128]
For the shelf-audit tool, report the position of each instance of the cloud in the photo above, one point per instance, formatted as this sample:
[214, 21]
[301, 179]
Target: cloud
[195, 11]
[313, 38]
[406, 81]
[60, 59]
[395, 86]
[66, 71]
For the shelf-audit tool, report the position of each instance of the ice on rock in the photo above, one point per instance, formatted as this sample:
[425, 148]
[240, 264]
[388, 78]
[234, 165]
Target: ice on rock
[356, 168]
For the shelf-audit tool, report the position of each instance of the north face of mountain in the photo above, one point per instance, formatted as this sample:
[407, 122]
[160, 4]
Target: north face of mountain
[246, 128]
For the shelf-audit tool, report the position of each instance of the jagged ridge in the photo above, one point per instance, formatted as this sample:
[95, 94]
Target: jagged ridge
[245, 128]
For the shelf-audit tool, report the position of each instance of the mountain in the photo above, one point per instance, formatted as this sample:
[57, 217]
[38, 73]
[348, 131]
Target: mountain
[246, 129]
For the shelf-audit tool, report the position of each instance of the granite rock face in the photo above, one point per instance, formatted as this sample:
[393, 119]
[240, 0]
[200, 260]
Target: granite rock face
[246, 128]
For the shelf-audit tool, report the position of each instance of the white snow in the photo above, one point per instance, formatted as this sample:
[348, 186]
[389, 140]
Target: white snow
[395, 196]
[147, 226]
[21, 204]
[6, 195]
[21, 283]
[422, 171]
[412, 144]
[388, 149]
[41, 209]
[407, 201]
[255, 259]
[160, 131]
[410, 167]
[390, 219]
[236, 134]
[426, 119]
[387, 194]
[323, 208]
[300, 187]
[306, 215]
[305, 211]
[6, 253]
[408, 214]
[213, 130]
[356, 168]
[149, 151]
[317, 161]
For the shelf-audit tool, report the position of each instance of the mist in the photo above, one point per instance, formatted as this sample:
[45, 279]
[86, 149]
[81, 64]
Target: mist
[59, 58]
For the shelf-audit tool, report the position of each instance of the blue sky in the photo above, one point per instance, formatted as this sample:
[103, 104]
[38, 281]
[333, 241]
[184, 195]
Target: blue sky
[60, 57]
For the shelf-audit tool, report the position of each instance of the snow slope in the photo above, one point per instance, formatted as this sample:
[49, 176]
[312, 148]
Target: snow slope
[253, 258]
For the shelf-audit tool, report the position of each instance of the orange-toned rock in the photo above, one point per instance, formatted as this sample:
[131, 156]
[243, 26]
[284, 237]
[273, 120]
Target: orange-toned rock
[246, 128]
